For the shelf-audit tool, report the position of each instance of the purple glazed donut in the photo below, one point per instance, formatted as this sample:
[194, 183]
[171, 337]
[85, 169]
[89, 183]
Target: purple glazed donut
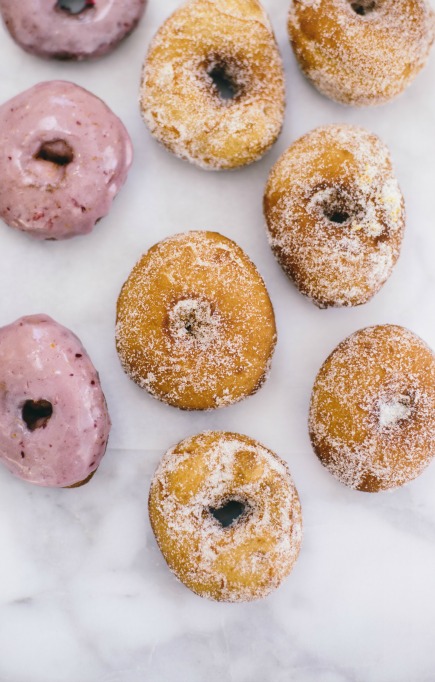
[64, 156]
[54, 423]
[70, 29]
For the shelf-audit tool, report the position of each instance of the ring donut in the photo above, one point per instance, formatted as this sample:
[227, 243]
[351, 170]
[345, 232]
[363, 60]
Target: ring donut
[54, 423]
[70, 29]
[64, 158]
[226, 516]
[361, 52]
[335, 215]
[206, 44]
[200, 340]
[372, 414]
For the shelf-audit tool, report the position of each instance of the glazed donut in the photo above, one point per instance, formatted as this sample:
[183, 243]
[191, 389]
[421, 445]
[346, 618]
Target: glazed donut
[70, 29]
[226, 516]
[372, 414]
[361, 52]
[195, 324]
[213, 84]
[54, 423]
[64, 157]
[335, 215]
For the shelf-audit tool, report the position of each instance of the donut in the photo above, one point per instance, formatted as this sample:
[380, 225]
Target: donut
[54, 423]
[70, 29]
[335, 215]
[361, 52]
[226, 516]
[213, 84]
[64, 157]
[372, 413]
[195, 325]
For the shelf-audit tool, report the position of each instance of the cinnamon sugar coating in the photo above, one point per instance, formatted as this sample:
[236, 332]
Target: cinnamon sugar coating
[335, 215]
[361, 52]
[372, 414]
[195, 324]
[180, 101]
[247, 559]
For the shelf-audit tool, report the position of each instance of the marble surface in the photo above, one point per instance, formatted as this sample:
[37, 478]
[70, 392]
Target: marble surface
[85, 595]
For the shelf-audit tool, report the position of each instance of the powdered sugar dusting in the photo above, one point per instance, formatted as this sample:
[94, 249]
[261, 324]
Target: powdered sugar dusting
[372, 414]
[394, 411]
[251, 557]
[195, 325]
[335, 214]
[179, 100]
[361, 53]
[194, 322]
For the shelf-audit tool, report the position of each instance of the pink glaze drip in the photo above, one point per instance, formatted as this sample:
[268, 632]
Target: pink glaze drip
[50, 200]
[41, 360]
[41, 28]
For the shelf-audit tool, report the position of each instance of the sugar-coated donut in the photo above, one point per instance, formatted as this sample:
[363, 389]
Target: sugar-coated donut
[195, 324]
[64, 157]
[361, 52]
[203, 49]
[70, 29]
[54, 423]
[335, 215]
[226, 516]
[372, 414]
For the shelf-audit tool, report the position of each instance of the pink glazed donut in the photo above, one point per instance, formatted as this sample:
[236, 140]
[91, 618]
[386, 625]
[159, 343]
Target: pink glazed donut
[64, 156]
[70, 29]
[54, 423]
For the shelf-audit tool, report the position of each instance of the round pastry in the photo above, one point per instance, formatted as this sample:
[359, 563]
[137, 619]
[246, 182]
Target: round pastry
[70, 29]
[335, 215]
[226, 516]
[213, 84]
[195, 324]
[361, 52]
[54, 423]
[372, 414]
[64, 157]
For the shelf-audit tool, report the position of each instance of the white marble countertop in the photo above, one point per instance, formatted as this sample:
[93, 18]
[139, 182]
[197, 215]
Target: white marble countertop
[85, 595]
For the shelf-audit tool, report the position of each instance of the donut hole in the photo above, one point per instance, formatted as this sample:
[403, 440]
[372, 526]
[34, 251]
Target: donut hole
[395, 410]
[337, 206]
[36, 414]
[339, 217]
[223, 82]
[57, 152]
[363, 7]
[338, 210]
[74, 7]
[193, 320]
[230, 512]
[224, 78]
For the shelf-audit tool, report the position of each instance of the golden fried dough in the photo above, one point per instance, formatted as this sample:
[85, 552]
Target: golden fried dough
[226, 515]
[335, 215]
[361, 52]
[203, 43]
[196, 327]
[372, 415]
